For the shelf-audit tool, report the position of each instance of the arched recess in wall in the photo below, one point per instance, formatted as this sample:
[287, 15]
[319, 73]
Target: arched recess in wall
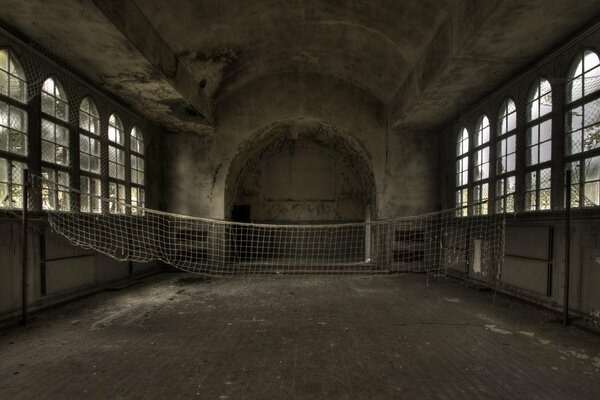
[300, 170]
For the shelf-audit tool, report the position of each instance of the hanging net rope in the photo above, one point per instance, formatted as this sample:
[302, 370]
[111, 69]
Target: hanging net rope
[427, 243]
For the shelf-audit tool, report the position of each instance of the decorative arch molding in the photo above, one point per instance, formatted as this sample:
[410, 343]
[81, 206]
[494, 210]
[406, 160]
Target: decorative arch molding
[284, 134]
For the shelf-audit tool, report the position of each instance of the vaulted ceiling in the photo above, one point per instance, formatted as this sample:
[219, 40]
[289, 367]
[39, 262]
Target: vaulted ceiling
[370, 43]
[169, 58]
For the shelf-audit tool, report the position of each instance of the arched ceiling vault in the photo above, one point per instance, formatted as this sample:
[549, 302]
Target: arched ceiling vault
[370, 43]
[173, 60]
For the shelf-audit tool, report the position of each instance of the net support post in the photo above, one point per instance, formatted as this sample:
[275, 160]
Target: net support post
[368, 235]
[567, 248]
[24, 242]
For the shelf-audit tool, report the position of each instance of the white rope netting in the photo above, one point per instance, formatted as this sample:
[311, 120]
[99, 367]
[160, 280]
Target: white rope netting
[427, 243]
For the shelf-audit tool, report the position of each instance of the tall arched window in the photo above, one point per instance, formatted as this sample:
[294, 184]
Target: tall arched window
[137, 169]
[506, 148]
[481, 166]
[462, 172]
[55, 147]
[538, 150]
[89, 156]
[116, 164]
[582, 133]
[13, 130]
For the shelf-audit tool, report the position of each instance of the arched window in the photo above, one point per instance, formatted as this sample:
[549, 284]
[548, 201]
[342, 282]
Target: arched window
[89, 156]
[55, 147]
[12, 78]
[481, 166]
[137, 169]
[506, 148]
[582, 133]
[462, 172]
[584, 76]
[13, 130]
[116, 164]
[538, 147]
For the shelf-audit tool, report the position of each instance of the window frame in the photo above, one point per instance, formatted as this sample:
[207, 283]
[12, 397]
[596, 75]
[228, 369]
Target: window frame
[537, 169]
[502, 178]
[139, 187]
[13, 159]
[581, 157]
[462, 158]
[480, 204]
[94, 179]
[57, 169]
[119, 199]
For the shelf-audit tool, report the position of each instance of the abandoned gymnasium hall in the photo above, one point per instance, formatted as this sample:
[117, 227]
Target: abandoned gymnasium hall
[299, 199]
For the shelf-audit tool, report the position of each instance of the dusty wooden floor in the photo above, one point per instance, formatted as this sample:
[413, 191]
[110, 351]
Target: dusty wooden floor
[387, 337]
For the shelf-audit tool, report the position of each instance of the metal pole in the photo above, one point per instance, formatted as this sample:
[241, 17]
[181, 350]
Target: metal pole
[24, 239]
[567, 249]
[367, 235]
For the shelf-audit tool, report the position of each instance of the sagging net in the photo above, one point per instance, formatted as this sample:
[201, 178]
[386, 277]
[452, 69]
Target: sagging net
[428, 243]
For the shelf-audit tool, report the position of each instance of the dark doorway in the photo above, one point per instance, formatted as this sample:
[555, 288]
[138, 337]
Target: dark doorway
[241, 213]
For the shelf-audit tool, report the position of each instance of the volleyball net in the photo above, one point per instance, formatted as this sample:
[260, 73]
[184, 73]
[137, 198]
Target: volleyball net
[431, 243]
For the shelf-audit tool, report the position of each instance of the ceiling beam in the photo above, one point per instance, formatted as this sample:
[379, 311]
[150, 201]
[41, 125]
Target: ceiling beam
[127, 17]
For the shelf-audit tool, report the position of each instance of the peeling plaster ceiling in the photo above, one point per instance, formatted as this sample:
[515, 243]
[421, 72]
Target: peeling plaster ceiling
[370, 43]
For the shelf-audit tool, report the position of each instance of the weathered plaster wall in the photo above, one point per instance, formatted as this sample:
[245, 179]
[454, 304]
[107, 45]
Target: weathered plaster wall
[305, 178]
[412, 176]
[201, 172]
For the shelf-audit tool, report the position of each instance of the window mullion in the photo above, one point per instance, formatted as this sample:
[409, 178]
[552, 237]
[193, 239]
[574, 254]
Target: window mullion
[470, 174]
[74, 161]
[35, 148]
[127, 156]
[104, 143]
[520, 131]
[493, 177]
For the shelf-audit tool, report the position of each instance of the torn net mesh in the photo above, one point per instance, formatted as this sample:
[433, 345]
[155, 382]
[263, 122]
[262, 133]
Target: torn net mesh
[427, 243]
